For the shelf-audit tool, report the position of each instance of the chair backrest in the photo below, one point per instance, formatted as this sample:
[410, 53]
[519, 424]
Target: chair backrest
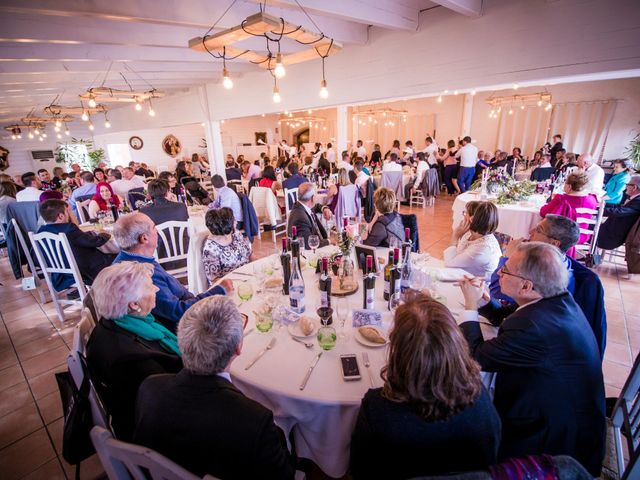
[173, 243]
[83, 210]
[348, 204]
[123, 460]
[25, 249]
[626, 416]
[265, 204]
[589, 226]
[55, 256]
[393, 181]
[290, 198]
[134, 196]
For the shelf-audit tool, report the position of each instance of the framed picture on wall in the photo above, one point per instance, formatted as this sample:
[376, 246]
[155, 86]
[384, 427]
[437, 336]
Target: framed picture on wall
[171, 145]
[136, 143]
[261, 138]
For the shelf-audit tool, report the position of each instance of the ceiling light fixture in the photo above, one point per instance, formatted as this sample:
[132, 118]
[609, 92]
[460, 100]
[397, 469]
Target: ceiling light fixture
[84, 116]
[279, 71]
[226, 81]
[138, 107]
[92, 102]
[152, 112]
[107, 123]
[276, 94]
[439, 98]
[91, 127]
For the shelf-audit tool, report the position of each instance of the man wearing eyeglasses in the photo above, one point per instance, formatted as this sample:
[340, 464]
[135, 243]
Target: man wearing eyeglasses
[549, 388]
[621, 218]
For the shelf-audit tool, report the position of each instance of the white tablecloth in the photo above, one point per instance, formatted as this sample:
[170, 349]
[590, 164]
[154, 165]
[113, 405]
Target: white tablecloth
[323, 415]
[516, 220]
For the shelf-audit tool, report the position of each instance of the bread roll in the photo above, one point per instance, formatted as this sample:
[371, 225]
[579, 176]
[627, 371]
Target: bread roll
[372, 335]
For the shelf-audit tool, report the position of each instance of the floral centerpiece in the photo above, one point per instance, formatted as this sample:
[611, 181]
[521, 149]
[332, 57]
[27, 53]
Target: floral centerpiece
[341, 261]
[516, 192]
[493, 181]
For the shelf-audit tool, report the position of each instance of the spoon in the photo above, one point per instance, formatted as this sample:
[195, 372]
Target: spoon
[306, 344]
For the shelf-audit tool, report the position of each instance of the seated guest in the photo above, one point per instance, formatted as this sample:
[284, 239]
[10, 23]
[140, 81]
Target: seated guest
[84, 245]
[98, 175]
[231, 171]
[615, 187]
[143, 171]
[250, 171]
[345, 162]
[385, 228]
[324, 167]
[137, 237]
[502, 161]
[361, 176]
[392, 164]
[32, 191]
[128, 182]
[543, 171]
[594, 173]
[269, 179]
[583, 283]
[566, 163]
[558, 158]
[198, 418]
[174, 188]
[51, 195]
[57, 176]
[7, 197]
[45, 180]
[303, 215]
[225, 249]
[295, 179]
[549, 389]
[226, 197]
[621, 218]
[575, 196]
[86, 190]
[332, 191]
[432, 416]
[473, 247]
[127, 345]
[103, 200]
[162, 209]
[113, 174]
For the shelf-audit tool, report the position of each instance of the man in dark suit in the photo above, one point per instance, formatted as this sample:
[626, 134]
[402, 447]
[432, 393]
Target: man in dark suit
[232, 172]
[557, 147]
[303, 215]
[549, 388]
[163, 210]
[295, 179]
[198, 418]
[84, 245]
[621, 218]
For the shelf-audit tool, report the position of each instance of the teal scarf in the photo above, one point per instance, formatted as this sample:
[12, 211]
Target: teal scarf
[149, 329]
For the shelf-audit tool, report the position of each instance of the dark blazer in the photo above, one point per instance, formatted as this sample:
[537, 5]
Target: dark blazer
[118, 362]
[620, 220]
[208, 426]
[84, 246]
[164, 210]
[549, 389]
[304, 224]
[541, 174]
[553, 150]
[233, 174]
[391, 441]
[294, 181]
[386, 227]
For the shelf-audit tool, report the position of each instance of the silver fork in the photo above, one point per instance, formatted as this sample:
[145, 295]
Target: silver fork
[365, 359]
[306, 344]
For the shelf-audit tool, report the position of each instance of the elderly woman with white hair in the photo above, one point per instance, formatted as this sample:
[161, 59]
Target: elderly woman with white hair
[198, 418]
[127, 345]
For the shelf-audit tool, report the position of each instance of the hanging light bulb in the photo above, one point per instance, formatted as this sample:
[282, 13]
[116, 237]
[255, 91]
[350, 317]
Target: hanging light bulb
[439, 98]
[91, 127]
[539, 103]
[66, 130]
[446, 91]
[279, 71]
[499, 109]
[226, 81]
[58, 123]
[92, 102]
[455, 92]
[59, 136]
[56, 128]
[515, 86]
[44, 135]
[276, 95]
[138, 106]
[84, 116]
[510, 111]
[152, 112]
[473, 92]
[36, 131]
[41, 139]
[13, 137]
[30, 135]
[107, 123]
[324, 93]
[19, 137]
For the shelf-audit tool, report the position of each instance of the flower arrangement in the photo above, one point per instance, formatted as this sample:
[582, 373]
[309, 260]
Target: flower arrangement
[496, 181]
[347, 240]
[517, 192]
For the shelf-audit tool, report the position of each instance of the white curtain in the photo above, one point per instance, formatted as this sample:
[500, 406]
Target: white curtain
[584, 126]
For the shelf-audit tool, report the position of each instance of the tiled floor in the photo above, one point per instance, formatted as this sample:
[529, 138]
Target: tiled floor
[33, 346]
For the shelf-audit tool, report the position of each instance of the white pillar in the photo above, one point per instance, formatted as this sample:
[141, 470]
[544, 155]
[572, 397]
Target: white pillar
[467, 112]
[341, 130]
[213, 136]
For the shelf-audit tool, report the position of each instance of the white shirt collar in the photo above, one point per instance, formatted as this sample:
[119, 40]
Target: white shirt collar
[225, 375]
[530, 303]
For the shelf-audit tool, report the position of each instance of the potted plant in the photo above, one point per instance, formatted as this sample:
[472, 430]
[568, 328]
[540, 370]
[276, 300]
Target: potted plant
[633, 152]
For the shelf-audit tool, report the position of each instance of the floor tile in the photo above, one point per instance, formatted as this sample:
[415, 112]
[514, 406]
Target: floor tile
[8, 357]
[19, 424]
[41, 363]
[45, 383]
[50, 407]
[618, 352]
[14, 397]
[26, 455]
[10, 376]
[39, 346]
[615, 374]
[52, 470]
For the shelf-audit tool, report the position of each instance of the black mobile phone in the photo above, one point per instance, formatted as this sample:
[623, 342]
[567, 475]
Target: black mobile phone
[350, 370]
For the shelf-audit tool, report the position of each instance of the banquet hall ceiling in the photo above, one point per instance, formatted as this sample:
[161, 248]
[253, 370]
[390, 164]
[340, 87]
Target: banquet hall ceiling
[64, 47]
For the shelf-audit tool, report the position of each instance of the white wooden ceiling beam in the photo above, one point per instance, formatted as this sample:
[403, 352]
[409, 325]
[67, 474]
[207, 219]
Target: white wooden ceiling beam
[470, 8]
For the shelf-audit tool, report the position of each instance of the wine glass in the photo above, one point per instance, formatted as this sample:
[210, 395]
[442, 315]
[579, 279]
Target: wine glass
[245, 292]
[314, 242]
[342, 313]
[395, 301]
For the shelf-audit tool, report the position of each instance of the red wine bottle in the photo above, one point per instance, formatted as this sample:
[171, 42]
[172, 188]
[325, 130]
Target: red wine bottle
[325, 284]
[406, 245]
[395, 273]
[285, 261]
[387, 276]
[294, 245]
[369, 284]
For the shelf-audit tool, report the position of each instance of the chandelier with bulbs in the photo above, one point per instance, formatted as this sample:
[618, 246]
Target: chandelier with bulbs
[386, 116]
[273, 30]
[541, 99]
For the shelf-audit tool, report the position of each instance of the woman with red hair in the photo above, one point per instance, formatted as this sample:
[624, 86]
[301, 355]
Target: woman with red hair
[103, 200]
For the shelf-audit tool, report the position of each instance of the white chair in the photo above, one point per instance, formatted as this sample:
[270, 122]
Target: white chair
[173, 243]
[54, 255]
[32, 265]
[123, 461]
[197, 280]
[290, 198]
[267, 210]
[626, 417]
[417, 199]
[589, 226]
[83, 210]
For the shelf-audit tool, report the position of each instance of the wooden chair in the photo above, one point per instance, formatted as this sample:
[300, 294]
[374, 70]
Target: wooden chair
[54, 255]
[173, 247]
[589, 226]
[83, 210]
[290, 198]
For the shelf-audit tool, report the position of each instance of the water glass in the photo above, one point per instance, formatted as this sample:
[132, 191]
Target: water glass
[326, 337]
[342, 313]
[245, 291]
[314, 242]
[264, 321]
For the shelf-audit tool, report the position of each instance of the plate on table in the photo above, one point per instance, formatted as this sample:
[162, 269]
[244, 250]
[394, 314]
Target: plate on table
[368, 343]
[295, 330]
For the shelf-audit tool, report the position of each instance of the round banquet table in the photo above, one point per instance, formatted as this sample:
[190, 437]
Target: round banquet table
[515, 220]
[322, 416]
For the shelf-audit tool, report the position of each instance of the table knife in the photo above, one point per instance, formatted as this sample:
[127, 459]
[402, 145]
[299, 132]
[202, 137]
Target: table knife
[268, 347]
[308, 374]
[365, 358]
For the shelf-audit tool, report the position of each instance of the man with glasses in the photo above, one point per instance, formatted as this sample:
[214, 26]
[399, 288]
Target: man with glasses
[621, 218]
[549, 389]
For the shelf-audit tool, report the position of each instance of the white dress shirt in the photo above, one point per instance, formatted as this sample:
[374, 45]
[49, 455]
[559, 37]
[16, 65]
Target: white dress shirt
[422, 167]
[347, 166]
[362, 152]
[331, 156]
[361, 179]
[390, 166]
[29, 194]
[596, 180]
[468, 155]
[478, 257]
[121, 187]
[430, 153]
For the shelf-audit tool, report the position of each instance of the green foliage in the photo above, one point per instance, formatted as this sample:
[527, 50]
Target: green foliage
[633, 152]
[79, 151]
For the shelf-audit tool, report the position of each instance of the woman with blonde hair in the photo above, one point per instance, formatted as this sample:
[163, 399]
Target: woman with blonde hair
[385, 228]
[432, 416]
[332, 192]
[128, 344]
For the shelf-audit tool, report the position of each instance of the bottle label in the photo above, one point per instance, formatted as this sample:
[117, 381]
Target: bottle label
[369, 298]
[324, 299]
[396, 287]
[386, 287]
[296, 299]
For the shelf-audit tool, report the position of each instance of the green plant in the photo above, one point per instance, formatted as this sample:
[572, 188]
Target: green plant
[633, 152]
[79, 151]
